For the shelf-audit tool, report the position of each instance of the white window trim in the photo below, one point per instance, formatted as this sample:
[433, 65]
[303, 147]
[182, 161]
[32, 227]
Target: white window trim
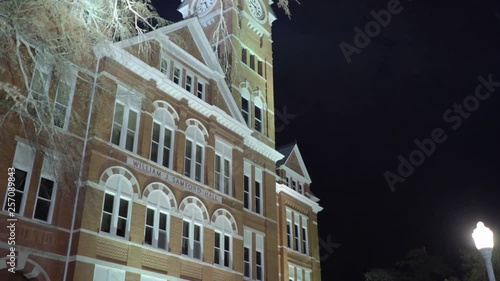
[156, 221]
[224, 151]
[165, 57]
[258, 179]
[110, 272]
[117, 195]
[305, 238]
[261, 250]
[193, 86]
[194, 141]
[246, 244]
[49, 176]
[202, 81]
[71, 82]
[18, 164]
[128, 106]
[163, 124]
[248, 173]
[192, 224]
[222, 233]
[177, 65]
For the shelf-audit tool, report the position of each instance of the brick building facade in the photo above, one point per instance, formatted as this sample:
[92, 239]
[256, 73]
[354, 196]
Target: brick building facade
[178, 177]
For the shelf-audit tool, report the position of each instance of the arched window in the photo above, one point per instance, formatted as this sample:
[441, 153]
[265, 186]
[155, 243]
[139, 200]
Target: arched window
[194, 154]
[192, 231]
[117, 206]
[157, 220]
[223, 250]
[162, 138]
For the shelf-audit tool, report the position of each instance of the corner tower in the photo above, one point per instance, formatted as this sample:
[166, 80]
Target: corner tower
[240, 33]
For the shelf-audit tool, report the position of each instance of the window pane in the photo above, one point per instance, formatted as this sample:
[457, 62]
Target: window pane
[217, 239]
[177, 76]
[197, 250]
[117, 130]
[197, 232]
[162, 240]
[166, 158]
[163, 221]
[130, 141]
[154, 152]
[106, 223]
[168, 138]
[257, 189]
[63, 91]
[42, 209]
[226, 167]
[156, 132]
[148, 236]
[150, 216]
[121, 227]
[227, 242]
[20, 179]
[119, 109]
[132, 120]
[108, 202]
[123, 212]
[46, 187]
[227, 258]
[199, 153]
[258, 113]
[217, 256]
[217, 163]
[185, 246]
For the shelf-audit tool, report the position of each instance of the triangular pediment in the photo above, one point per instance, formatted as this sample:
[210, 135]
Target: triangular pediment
[187, 42]
[293, 160]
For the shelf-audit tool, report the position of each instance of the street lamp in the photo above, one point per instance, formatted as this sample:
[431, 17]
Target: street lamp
[483, 238]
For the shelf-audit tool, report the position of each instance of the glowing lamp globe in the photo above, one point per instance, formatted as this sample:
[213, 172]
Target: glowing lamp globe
[483, 237]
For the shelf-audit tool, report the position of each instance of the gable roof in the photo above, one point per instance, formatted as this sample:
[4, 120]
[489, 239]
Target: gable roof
[210, 65]
[289, 150]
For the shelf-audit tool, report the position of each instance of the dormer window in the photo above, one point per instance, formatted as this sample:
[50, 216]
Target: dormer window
[177, 76]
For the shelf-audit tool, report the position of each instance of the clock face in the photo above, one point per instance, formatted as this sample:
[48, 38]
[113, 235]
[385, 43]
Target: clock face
[203, 6]
[256, 9]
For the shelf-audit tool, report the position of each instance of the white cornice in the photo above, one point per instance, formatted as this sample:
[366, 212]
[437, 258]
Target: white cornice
[285, 189]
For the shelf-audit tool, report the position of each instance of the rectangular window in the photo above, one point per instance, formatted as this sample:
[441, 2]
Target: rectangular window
[247, 254]
[304, 236]
[39, 89]
[193, 161]
[260, 68]
[217, 255]
[245, 110]
[185, 237]
[200, 90]
[198, 163]
[187, 159]
[189, 83]
[244, 56]
[24, 158]
[296, 234]
[223, 160]
[258, 119]
[259, 257]
[164, 66]
[294, 185]
[252, 61]
[103, 273]
[177, 76]
[301, 190]
[289, 228]
[115, 213]
[197, 242]
[125, 125]
[247, 204]
[307, 275]
[291, 273]
[46, 194]
[258, 191]
[161, 144]
[150, 217]
[222, 250]
[64, 98]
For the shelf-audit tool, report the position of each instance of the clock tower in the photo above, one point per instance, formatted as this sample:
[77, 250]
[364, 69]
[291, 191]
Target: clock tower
[240, 33]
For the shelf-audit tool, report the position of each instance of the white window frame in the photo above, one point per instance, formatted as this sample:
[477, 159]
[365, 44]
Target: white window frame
[247, 243]
[104, 273]
[24, 159]
[304, 235]
[258, 105]
[248, 174]
[178, 66]
[294, 185]
[48, 167]
[223, 228]
[203, 91]
[192, 85]
[224, 152]
[259, 200]
[196, 138]
[296, 233]
[289, 230]
[291, 272]
[259, 248]
[68, 77]
[42, 66]
[118, 194]
[165, 58]
[247, 109]
[191, 242]
[158, 209]
[126, 99]
[166, 122]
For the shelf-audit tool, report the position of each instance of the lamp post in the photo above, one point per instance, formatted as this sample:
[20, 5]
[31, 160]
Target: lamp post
[483, 238]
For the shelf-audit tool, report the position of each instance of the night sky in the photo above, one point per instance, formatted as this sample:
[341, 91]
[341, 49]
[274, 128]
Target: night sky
[353, 120]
